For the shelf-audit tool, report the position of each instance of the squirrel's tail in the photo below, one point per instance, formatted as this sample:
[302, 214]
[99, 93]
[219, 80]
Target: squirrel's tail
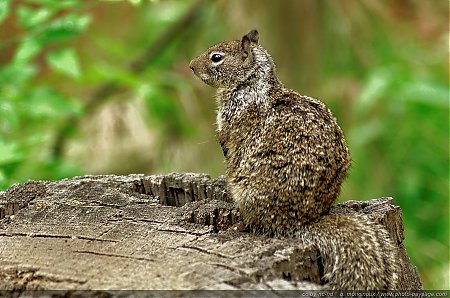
[356, 252]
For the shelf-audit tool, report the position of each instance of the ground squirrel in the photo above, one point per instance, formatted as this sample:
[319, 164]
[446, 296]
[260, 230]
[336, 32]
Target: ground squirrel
[286, 159]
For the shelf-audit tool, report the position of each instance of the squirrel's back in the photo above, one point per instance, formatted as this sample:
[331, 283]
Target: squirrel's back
[287, 157]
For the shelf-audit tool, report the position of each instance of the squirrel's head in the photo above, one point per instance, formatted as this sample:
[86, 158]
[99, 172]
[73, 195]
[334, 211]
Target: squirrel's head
[228, 64]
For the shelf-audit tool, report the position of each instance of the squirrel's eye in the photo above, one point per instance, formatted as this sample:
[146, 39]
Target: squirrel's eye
[216, 58]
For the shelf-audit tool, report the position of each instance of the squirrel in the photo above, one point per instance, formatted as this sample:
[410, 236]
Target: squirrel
[286, 158]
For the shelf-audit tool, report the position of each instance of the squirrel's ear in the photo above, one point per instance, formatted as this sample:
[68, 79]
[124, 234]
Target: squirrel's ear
[252, 36]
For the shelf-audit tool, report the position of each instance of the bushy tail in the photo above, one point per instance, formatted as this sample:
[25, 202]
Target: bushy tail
[357, 253]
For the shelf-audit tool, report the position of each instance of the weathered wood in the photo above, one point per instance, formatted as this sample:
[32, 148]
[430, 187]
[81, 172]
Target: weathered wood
[177, 231]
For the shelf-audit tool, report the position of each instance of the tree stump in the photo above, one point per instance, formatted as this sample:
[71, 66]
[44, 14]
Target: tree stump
[176, 231]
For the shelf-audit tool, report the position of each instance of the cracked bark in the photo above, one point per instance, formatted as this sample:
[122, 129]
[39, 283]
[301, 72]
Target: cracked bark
[176, 231]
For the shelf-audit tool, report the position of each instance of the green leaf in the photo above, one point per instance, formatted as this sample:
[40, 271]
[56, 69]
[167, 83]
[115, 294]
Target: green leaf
[56, 4]
[64, 28]
[9, 153]
[30, 18]
[27, 50]
[426, 92]
[9, 119]
[49, 104]
[135, 2]
[373, 89]
[14, 76]
[64, 61]
[4, 9]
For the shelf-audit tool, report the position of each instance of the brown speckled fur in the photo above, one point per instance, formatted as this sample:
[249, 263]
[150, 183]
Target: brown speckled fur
[286, 160]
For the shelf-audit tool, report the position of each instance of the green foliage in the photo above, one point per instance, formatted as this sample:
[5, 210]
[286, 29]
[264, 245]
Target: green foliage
[64, 61]
[31, 110]
[4, 9]
[399, 148]
[36, 110]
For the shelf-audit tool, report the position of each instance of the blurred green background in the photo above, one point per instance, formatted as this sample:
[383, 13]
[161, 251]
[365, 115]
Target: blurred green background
[103, 87]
